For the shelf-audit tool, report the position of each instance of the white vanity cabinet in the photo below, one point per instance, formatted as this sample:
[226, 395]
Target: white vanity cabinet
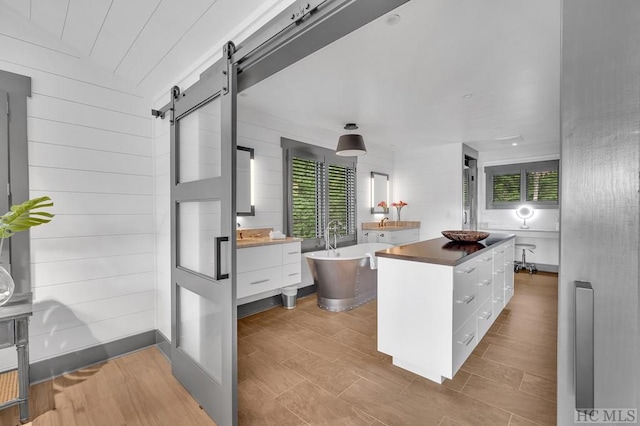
[266, 268]
[395, 237]
[432, 310]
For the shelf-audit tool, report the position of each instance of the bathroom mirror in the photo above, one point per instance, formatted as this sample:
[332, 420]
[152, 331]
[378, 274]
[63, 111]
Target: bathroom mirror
[379, 192]
[245, 205]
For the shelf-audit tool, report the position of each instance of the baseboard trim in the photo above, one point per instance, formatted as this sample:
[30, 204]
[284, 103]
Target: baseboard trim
[40, 371]
[543, 267]
[163, 344]
[53, 367]
[270, 302]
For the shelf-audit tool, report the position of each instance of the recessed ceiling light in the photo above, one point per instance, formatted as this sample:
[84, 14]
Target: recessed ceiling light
[393, 19]
[512, 140]
[468, 95]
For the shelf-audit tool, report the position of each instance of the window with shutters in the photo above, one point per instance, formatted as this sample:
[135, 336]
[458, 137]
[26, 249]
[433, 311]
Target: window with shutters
[511, 185]
[320, 187]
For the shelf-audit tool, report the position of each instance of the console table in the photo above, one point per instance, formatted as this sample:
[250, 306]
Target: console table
[14, 331]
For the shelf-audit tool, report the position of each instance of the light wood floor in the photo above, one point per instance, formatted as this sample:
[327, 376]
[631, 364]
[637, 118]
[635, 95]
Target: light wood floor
[136, 389]
[309, 366]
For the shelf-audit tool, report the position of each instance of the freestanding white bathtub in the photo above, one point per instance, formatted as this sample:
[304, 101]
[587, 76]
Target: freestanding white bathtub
[347, 277]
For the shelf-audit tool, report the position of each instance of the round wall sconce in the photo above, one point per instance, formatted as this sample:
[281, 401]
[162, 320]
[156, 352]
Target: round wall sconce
[524, 213]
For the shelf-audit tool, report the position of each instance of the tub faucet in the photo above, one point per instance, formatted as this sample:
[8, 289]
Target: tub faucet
[334, 226]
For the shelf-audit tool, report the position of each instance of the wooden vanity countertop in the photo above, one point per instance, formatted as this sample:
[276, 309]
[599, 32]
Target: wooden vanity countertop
[263, 241]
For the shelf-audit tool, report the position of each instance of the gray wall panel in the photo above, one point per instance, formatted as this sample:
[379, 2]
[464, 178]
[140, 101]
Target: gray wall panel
[600, 166]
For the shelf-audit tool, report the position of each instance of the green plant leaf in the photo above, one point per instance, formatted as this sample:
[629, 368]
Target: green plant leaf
[20, 217]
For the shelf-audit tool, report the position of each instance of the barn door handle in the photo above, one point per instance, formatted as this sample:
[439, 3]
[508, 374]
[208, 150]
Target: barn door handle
[584, 345]
[219, 274]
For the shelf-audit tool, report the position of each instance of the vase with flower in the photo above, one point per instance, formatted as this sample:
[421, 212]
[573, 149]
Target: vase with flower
[19, 218]
[399, 205]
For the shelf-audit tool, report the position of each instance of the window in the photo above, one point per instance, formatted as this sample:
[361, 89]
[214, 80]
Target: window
[320, 187]
[511, 185]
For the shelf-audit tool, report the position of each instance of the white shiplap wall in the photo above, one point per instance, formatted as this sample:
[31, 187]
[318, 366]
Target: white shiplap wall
[261, 132]
[91, 151]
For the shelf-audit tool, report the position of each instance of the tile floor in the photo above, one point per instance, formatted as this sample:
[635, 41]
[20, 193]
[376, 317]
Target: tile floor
[310, 366]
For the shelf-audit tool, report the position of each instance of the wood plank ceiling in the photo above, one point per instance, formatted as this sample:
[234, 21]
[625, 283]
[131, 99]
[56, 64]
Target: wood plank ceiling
[147, 43]
[441, 72]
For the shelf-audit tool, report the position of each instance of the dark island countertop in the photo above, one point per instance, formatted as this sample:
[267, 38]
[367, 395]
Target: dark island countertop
[443, 251]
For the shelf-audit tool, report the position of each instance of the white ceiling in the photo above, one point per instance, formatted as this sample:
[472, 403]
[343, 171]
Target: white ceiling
[147, 43]
[404, 84]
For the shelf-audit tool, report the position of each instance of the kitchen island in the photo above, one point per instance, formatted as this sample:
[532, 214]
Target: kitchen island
[438, 298]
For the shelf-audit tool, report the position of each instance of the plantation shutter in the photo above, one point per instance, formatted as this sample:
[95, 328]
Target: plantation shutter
[307, 197]
[511, 185]
[542, 186]
[342, 196]
[506, 188]
[319, 187]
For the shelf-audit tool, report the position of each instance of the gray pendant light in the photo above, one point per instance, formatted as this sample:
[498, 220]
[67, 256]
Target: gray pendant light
[350, 145]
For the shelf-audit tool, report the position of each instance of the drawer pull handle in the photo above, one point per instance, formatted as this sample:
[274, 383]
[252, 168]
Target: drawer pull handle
[260, 282]
[295, 273]
[499, 299]
[293, 252]
[485, 283]
[466, 300]
[468, 340]
[489, 315]
[466, 271]
[499, 271]
[509, 288]
[500, 251]
[485, 259]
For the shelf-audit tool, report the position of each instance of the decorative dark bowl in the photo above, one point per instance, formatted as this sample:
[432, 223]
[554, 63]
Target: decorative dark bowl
[466, 236]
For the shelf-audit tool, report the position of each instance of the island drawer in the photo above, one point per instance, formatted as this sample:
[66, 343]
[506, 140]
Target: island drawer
[484, 279]
[498, 301]
[464, 341]
[484, 289]
[498, 276]
[508, 292]
[485, 317]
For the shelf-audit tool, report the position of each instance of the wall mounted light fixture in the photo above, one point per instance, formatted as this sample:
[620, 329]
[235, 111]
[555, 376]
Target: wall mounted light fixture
[351, 144]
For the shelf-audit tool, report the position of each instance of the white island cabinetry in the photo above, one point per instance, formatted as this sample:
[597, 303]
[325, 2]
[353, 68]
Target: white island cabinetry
[435, 304]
